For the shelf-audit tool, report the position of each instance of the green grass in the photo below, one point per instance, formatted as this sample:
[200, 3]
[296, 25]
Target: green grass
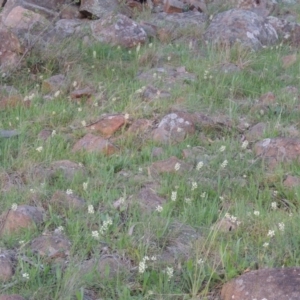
[239, 189]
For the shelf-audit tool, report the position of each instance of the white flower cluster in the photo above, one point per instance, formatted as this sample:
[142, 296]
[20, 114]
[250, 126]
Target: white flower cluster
[143, 263]
[232, 219]
[105, 225]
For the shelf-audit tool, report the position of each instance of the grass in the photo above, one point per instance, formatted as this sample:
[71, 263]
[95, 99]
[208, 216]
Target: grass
[240, 188]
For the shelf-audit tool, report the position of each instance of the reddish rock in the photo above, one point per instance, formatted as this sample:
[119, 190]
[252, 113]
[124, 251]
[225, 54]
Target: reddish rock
[53, 84]
[139, 126]
[6, 268]
[173, 6]
[174, 127]
[10, 49]
[22, 18]
[149, 200]
[98, 8]
[108, 125]
[118, 30]
[82, 93]
[44, 134]
[291, 181]
[278, 150]
[107, 266]
[54, 246]
[288, 60]
[281, 283]
[268, 98]
[256, 132]
[70, 12]
[61, 200]
[169, 165]
[92, 143]
[11, 297]
[24, 216]
[13, 101]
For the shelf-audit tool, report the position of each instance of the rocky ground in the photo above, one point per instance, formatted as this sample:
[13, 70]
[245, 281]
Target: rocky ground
[149, 149]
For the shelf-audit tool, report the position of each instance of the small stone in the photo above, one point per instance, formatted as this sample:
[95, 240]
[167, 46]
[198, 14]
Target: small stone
[61, 200]
[288, 60]
[54, 84]
[291, 181]
[173, 6]
[108, 125]
[11, 297]
[6, 268]
[23, 217]
[168, 166]
[92, 143]
[278, 283]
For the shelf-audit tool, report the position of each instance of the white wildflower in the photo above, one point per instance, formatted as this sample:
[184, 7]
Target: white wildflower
[169, 271]
[69, 192]
[274, 205]
[94, 54]
[281, 226]
[105, 225]
[79, 109]
[245, 144]
[194, 185]
[56, 94]
[91, 209]
[203, 195]
[200, 261]
[14, 206]
[95, 234]
[224, 164]
[39, 149]
[25, 276]
[199, 165]
[222, 148]
[174, 196]
[159, 208]
[271, 233]
[177, 166]
[85, 186]
[265, 245]
[188, 200]
[83, 123]
[256, 213]
[142, 267]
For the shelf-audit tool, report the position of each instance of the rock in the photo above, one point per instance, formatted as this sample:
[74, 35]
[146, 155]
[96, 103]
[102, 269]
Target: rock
[174, 127]
[289, 60]
[139, 126]
[181, 239]
[268, 98]
[10, 97]
[118, 30]
[173, 6]
[98, 8]
[170, 26]
[242, 26]
[226, 224]
[54, 84]
[278, 150]
[10, 49]
[288, 32]
[48, 9]
[92, 143]
[291, 181]
[260, 7]
[8, 133]
[65, 168]
[82, 93]
[171, 165]
[61, 200]
[23, 217]
[21, 20]
[44, 134]
[107, 266]
[256, 132]
[149, 200]
[6, 268]
[157, 151]
[70, 12]
[279, 283]
[150, 93]
[168, 76]
[51, 247]
[108, 125]
[11, 297]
